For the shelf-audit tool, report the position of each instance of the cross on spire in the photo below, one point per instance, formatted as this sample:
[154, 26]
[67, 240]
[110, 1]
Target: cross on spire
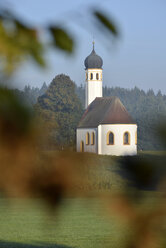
[93, 44]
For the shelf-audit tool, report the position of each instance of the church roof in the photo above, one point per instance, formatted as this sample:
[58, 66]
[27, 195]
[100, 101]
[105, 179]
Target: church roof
[105, 110]
[93, 60]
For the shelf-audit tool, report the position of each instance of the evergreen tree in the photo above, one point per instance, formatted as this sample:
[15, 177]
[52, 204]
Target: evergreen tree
[43, 89]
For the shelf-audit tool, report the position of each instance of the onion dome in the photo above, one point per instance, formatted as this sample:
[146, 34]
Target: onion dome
[93, 60]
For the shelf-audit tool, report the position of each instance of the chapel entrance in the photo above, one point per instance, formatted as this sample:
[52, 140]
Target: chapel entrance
[82, 146]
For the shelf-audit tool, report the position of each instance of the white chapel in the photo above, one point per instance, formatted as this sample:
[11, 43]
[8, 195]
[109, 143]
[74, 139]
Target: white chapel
[105, 127]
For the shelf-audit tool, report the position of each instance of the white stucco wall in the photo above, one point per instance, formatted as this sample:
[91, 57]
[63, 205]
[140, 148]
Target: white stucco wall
[93, 87]
[118, 148]
[81, 136]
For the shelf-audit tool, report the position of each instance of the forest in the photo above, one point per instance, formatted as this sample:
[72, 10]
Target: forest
[147, 109]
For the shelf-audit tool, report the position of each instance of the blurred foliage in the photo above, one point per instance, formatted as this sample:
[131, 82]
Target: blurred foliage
[144, 172]
[20, 41]
[17, 42]
[145, 176]
[15, 117]
[106, 23]
[25, 170]
[62, 39]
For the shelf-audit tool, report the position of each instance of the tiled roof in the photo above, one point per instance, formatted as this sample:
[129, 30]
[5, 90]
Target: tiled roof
[105, 110]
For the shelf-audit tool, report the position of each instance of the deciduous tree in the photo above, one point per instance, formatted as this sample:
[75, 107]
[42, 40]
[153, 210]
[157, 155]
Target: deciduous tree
[61, 108]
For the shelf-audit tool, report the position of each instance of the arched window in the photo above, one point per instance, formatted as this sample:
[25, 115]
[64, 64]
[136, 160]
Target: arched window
[82, 146]
[91, 76]
[136, 137]
[87, 138]
[126, 138]
[93, 138]
[97, 76]
[110, 138]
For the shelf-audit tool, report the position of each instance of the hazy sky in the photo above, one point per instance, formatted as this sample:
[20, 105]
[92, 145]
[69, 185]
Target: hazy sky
[137, 59]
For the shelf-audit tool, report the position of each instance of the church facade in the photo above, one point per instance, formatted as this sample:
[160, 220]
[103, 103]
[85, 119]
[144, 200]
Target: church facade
[105, 127]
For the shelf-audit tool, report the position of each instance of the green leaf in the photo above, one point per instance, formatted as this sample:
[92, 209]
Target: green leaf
[17, 43]
[62, 39]
[15, 116]
[106, 22]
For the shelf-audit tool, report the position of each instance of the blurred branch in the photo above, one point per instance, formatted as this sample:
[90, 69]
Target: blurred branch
[19, 41]
[62, 39]
[106, 22]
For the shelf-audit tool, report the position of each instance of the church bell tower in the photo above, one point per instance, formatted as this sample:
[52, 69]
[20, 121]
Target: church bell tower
[93, 73]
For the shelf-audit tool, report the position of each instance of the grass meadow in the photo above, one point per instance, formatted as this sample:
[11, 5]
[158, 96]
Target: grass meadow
[79, 222]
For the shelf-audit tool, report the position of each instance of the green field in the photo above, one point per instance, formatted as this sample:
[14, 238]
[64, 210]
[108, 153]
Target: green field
[78, 222]
[157, 153]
